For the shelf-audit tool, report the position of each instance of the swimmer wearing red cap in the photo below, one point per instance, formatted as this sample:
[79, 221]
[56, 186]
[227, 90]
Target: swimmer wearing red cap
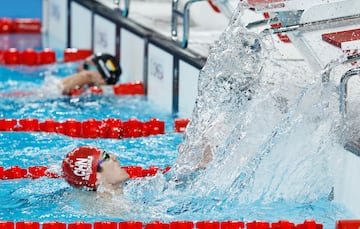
[87, 167]
[98, 69]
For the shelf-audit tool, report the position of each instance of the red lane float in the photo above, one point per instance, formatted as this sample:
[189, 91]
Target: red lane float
[28, 57]
[131, 225]
[180, 124]
[309, 224]
[11, 56]
[20, 25]
[52, 225]
[211, 224]
[27, 225]
[26, 25]
[34, 172]
[105, 225]
[5, 25]
[232, 224]
[157, 225]
[348, 224]
[181, 225]
[282, 224]
[208, 224]
[90, 128]
[74, 54]
[16, 172]
[131, 88]
[47, 56]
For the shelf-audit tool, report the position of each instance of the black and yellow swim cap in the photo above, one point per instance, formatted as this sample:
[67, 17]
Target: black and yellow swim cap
[108, 66]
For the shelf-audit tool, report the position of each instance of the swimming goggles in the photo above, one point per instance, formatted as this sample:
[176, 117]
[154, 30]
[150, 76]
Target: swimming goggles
[105, 157]
[88, 66]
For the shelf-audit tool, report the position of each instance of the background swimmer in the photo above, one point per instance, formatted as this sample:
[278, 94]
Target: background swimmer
[98, 69]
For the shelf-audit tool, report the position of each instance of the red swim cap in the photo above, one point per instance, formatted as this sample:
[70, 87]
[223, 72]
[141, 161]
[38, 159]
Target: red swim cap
[80, 165]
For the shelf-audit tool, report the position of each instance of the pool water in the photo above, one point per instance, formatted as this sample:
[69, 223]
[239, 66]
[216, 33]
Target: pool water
[21, 199]
[146, 200]
[202, 195]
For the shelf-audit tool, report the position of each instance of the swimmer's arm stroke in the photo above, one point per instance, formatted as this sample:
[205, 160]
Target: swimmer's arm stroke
[78, 80]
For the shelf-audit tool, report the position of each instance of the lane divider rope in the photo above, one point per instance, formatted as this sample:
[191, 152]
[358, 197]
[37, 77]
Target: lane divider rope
[93, 128]
[19, 25]
[32, 57]
[130, 88]
[34, 172]
[181, 224]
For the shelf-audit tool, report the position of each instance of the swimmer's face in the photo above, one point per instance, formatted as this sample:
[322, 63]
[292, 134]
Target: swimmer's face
[92, 70]
[87, 65]
[110, 171]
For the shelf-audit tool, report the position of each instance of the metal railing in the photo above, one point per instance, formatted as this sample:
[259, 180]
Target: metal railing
[352, 146]
[125, 11]
[343, 87]
[325, 75]
[185, 15]
[311, 26]
[316, 25]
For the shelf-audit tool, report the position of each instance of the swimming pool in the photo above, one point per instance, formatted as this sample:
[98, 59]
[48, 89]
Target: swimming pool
[148, 199]
[274, 132]
[40, 148]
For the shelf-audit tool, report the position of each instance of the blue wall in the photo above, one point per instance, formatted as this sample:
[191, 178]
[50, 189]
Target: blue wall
[21, 8]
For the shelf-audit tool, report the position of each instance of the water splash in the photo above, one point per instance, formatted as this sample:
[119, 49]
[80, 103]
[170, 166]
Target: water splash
[265, 129]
